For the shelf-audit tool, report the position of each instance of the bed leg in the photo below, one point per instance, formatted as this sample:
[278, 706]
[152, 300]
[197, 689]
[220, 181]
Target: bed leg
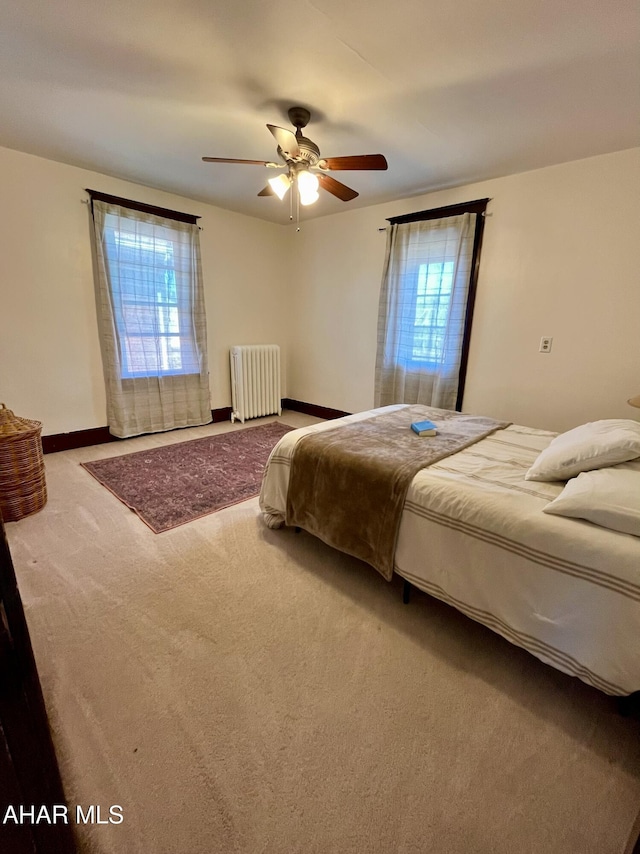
[629, 707]
[406, 591]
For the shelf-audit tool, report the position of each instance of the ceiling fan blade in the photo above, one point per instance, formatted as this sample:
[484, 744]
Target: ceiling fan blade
[358, 161]
[267, 191]
[233, 160]
[287, 141]
[341, 191]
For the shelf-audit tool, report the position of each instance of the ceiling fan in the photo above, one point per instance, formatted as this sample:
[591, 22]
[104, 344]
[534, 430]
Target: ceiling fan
[299, 156]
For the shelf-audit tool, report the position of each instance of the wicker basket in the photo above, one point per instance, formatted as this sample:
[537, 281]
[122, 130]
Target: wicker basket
[23, 489]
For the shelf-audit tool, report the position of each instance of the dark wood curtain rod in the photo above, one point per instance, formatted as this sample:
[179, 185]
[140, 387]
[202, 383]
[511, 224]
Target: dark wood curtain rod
[143, 208]
[478, 206]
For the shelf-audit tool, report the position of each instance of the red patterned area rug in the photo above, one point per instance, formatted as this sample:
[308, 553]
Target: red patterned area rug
[175, 484]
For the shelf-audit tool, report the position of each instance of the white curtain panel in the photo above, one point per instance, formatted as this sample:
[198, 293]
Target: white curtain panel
[423, 303]
[152, 323]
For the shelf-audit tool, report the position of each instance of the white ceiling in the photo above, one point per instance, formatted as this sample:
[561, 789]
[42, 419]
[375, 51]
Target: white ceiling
[449, 92]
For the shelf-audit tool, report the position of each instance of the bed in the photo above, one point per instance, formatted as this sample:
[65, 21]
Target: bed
[473, 532]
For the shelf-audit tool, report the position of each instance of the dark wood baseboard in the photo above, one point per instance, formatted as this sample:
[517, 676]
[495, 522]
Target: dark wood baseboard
[77, 439]
[222, 414]
[312, 409]
[101, 435]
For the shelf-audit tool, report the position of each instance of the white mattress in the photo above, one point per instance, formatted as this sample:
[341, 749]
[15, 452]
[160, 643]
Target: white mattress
[474, 535]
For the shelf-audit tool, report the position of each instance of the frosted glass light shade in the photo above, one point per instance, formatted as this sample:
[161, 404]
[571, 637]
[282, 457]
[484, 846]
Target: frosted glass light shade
[308, 198]
[307, 187]
[280, 185]
[307, 182]
[634, 401]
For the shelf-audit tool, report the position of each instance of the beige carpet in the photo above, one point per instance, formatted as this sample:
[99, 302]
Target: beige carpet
[238, 689]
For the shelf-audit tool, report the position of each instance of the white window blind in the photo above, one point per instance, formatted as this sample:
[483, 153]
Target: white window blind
[432, 302]
[154, 322]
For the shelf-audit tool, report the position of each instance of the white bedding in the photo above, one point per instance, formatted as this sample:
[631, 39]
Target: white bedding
[474, 535]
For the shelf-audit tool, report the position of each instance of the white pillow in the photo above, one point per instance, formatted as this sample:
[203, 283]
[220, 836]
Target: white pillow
[590, 446]
[609, 497]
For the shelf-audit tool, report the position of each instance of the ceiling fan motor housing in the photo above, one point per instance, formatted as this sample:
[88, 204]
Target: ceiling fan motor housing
[309, 151]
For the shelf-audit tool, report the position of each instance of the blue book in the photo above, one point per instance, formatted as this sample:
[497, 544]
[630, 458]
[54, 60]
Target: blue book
[424, 428]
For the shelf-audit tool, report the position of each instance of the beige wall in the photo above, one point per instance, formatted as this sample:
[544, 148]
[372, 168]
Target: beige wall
[561, 257]
[50, 365]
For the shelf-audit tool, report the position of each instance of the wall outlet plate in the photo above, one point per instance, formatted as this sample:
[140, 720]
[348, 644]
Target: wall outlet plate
[545, 344]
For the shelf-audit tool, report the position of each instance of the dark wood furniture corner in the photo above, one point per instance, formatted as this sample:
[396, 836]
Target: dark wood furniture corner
[29, 773]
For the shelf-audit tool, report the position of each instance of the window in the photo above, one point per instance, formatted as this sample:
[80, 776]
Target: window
[432, 300]
[154, 339]
[426, 305]
[151, 316]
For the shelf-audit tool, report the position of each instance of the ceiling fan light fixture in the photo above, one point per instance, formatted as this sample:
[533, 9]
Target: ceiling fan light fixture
[280, 185]
[298, 155]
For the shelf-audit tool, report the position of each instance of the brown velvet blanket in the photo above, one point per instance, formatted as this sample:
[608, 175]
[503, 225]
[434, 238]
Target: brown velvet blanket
[347, 486]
